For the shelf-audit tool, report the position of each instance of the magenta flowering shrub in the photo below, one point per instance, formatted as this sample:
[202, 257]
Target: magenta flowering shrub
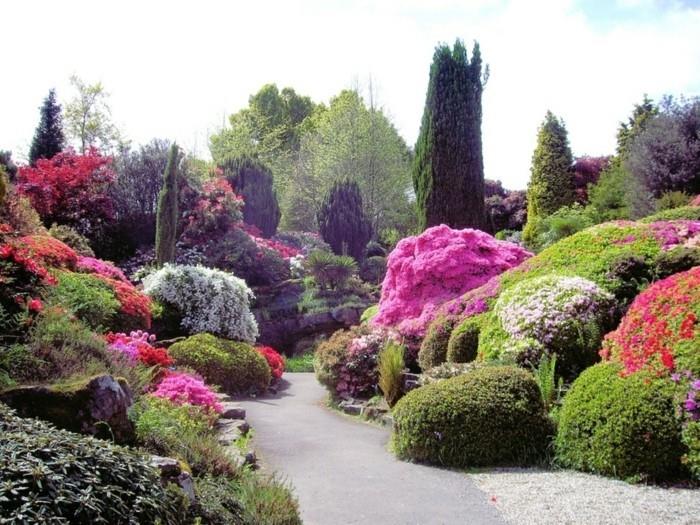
[358, 375]
[181, 388]
[441, 264]
[98, 266]
[672, 234]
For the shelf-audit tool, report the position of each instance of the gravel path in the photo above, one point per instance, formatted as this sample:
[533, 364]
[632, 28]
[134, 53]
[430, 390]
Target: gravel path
[530, 496]
[342, 472]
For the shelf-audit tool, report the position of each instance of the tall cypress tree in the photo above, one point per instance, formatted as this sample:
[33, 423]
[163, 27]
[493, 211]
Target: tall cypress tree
[448, 170]
[48, 137]
[253, 181]
[552, 181]
[342, 221]
[166, 218]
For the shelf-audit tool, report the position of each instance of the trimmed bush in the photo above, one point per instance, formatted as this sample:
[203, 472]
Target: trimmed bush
[449, 370]
[47, 474]
[464, 341]
[489, 416]
[621, 427]
[235, 367]
[433, 349]
[207, 300]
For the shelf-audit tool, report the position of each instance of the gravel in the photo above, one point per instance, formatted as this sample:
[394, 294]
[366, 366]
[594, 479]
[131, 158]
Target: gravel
[531, 496]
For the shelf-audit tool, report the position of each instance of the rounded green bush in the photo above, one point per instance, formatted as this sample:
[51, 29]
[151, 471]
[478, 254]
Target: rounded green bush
[330, 356]
[47, 474]
[236, 367]
[490, 416]
[433, 349]
[88, 298]
[369, 314]
[463, 342]
[625, 427]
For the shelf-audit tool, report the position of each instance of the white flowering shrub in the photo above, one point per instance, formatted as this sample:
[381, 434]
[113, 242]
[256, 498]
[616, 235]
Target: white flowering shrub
[208, 300]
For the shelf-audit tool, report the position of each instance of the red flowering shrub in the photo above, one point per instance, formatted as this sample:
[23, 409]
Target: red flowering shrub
[48, 251]
[284, 250]
[181, 388]
[137, 347]
[660, 331]
[216, 212]
[274, 359]
[70, 188]
[135, 306]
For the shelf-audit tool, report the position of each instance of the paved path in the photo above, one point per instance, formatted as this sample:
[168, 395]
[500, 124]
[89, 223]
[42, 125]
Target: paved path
[342, 472]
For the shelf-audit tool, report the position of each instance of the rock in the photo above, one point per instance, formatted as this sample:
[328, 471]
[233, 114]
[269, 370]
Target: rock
[346, 316]
[231, 430]
[96, 406]
[171, 472]
[353, 409]
[241, 458]
[232, 411]
[409, 381]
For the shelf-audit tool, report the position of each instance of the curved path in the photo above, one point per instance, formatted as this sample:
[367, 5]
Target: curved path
[342, 472]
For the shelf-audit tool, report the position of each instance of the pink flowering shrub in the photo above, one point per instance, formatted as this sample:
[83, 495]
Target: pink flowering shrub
[676, 233]
[283, 249]
[441, 264]
[137, 348]
[181, 388]
[358, 374]
[98, 266]
[695, 201]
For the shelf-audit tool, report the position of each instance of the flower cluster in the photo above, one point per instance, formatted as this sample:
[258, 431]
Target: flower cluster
[691, 403]
[358, 374]
[92, 265]
[20, 259]
[274, 360]
[441, 264]
[283, 249]
[660, 327]
[208, 300]
[136, 346]
[553, 309]
[181, 388]
[217, 210]
[133, 304]
[676, 233]
[47, 251]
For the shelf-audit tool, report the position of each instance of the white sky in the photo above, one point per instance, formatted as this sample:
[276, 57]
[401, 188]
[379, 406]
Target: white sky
[176, 69]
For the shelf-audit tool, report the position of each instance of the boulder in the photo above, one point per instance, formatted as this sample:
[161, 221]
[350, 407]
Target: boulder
[171, 472]
[96, 406]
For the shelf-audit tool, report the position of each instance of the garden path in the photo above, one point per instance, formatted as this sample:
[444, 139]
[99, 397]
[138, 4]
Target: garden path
[341, 469]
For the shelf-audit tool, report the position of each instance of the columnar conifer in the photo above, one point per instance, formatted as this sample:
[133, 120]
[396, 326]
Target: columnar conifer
[166, 219]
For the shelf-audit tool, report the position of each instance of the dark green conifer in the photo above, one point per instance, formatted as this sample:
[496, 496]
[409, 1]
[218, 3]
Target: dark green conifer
[342, 222]
[166, 218]
[48, 137]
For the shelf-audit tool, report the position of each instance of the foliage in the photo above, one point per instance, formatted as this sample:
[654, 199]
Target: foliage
[267, 500]
[489, 416]
[70, 189]
[587, 171]
[7, 164]
[551, 184]
[567, 315]
[216, 212]
[390, 365]
[660, 331]
[691, 439]
[235, 367]
[136, 347]
[253, 182]
[70, 237]
[448, 370]
[463, 341]
[47, 474]
[48, 138]
[88, 117]
[181, 388]
[508, 211]
[672, 199]
[207, 300]
[676, 260]
[608, 199]
[300, 363]
[17, 212]
[274, 360]
[564, 222]
[330, 271]
[135, 306]
[448, 169]
[342, 222]
[305, 242]
[358, 374]
[433, 349]
[100, 267]
[621, 427]
[167, 215]
[369, 314]
[330, 356]
[85, 296]
[373, 269]
[439, 265]
[690, 213]
[545, 375]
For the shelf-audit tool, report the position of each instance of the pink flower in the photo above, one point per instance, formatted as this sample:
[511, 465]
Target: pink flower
[181, 388]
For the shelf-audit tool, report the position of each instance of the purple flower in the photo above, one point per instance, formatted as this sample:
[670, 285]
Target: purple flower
[676, 378]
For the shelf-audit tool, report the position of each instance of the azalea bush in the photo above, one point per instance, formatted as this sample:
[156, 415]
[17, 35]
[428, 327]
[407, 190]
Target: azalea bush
[46, 250]
[205, 299]
[441, 264]
[660, 331]
[181, 388]
[275, 361]
[217, 211]
[135, 306]
[107, 269]
[136, 347]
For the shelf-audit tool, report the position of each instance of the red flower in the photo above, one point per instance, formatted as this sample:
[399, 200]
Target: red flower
[35, 305]
[274, 359]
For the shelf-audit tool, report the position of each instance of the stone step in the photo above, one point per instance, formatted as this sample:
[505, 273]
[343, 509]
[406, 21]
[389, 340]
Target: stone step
[241, 458]
[232, 410]
[231, 430]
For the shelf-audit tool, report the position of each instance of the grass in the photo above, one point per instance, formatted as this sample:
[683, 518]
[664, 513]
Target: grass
[300, 363]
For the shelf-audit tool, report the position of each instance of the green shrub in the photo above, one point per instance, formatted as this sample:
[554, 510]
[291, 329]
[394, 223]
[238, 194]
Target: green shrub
[267, 500]
[676, 260]
[299, 363]
[671, 200]
[691, 439]
[546, 380]
[72, 238]
[689, 213]
[236, 367]
[217, 501]
[369, 314]
[373, 269]
[490, 416]
[330, 355]
[391, 364]
[464, 341]
[622, 427]
[433, 349]
[448, 370]
[563, 223]
[88, 298]
[329, 270]
[55, 476]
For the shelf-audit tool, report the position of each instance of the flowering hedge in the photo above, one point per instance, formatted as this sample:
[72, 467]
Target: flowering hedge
[274, 360]
[136, 346]
[660, 331]
[92, 265]
[207, 300]
[440, 264]
[181, 388]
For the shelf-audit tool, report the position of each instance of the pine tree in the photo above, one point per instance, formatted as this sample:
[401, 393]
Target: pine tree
[552, 178]
[342, 221]
[166, 218]
[253, 181]
[48, 137]
[448, 170]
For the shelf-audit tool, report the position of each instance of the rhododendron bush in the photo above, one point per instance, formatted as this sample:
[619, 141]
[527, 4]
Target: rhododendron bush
[660, 331]
[135, 306]
[181, 388]
[136, 347]
[92, 265]
[215, 213]
[274, 360]
[46, 250]
[440, 264]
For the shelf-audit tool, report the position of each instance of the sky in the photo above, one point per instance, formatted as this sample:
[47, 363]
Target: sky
[176, 69]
